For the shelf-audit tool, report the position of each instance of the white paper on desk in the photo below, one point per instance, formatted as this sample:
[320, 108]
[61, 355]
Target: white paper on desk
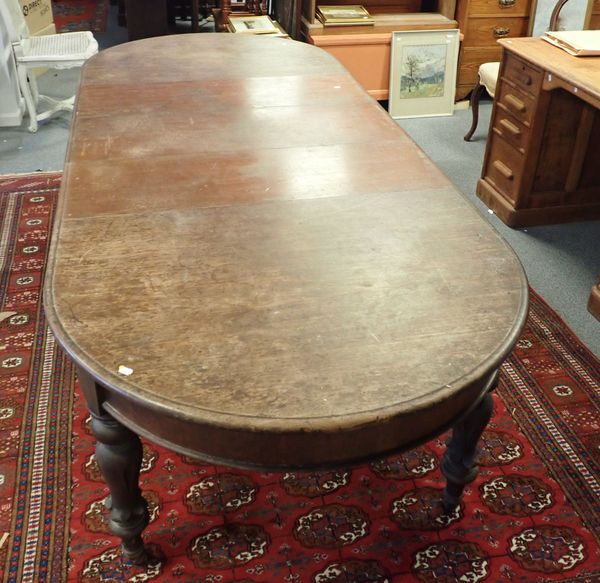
[580, 43]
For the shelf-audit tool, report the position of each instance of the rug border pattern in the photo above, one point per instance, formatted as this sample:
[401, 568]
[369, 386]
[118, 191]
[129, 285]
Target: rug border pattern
[34, 550]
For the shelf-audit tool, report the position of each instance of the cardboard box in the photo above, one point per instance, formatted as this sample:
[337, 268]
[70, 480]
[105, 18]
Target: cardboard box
[40, 20]
[38, 14]
[50, 29]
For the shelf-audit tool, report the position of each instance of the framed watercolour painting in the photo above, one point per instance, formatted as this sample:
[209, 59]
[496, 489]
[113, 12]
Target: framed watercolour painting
[423, 73]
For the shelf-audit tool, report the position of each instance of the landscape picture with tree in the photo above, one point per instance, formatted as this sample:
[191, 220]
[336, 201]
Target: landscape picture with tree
[423, 73]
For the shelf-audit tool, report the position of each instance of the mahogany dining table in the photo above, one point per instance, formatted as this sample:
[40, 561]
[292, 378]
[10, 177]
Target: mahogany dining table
[253, 265]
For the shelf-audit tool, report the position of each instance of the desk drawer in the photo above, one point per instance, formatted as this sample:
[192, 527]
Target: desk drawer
[509, 128]
[519, 104]
[504, 168]
[484, 32]
[525, 76]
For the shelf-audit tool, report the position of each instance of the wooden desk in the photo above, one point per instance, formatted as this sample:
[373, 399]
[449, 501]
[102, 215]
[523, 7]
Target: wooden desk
[542, 162]
[290, 280]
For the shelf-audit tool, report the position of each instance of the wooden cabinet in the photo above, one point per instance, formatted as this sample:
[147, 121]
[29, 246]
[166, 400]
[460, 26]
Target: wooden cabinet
[593, 15]
[483, 22]
[365, 50]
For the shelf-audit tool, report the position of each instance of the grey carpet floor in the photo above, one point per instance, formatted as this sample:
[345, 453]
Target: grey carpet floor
[562, 262]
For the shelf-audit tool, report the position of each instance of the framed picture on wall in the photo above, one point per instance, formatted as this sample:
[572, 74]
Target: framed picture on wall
[423, 73]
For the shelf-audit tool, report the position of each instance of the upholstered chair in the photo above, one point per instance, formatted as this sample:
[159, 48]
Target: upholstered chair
[488, 75]
[486, 81]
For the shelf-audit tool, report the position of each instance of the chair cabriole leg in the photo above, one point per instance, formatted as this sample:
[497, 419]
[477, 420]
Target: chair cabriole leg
[475, 97]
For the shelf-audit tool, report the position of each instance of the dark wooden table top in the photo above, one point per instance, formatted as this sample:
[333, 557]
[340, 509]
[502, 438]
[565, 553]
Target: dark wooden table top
[289, 277]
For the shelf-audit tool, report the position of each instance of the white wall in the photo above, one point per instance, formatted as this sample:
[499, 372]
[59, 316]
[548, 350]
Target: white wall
[11, 102]
[572, 15]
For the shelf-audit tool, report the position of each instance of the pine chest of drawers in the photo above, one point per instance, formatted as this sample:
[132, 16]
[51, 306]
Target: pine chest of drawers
[483, 22]
[593, 16]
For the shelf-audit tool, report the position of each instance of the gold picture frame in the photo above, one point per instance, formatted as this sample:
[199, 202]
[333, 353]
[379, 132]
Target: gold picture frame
[423, 73]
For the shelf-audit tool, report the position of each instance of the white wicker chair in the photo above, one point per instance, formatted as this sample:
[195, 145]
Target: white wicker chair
[53, 51]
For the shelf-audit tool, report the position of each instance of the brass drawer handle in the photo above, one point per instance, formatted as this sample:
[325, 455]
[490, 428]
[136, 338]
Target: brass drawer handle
[510, 127]
[515, 103]
[506, 3]
[501, 31]
[503, 169]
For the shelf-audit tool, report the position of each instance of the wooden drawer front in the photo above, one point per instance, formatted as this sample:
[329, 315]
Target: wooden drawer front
[508, 8]
[462, 91]
[518, 103]
[471, 58]
[523, 75]
[504, 168]
[509, 128]
[484, 32]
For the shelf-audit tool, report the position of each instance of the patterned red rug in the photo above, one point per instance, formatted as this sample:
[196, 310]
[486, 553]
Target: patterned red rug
[533, 514]
[73, 15]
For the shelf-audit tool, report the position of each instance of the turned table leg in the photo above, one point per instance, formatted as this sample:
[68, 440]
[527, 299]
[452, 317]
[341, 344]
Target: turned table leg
[119, 455]
[458, 464]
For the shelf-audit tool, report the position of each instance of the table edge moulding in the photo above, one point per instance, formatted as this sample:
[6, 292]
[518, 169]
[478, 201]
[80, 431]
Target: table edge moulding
[252, 264]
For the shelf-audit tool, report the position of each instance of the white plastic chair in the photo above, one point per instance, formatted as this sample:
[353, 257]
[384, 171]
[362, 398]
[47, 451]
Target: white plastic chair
[53, 51]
